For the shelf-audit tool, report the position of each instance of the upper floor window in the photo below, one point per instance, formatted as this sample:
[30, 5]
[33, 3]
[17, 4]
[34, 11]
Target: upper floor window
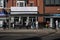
[52, 2]
[20, 3]
[1, 3]
[31, 3]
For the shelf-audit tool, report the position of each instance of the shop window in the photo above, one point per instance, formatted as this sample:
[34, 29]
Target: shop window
[16, 19]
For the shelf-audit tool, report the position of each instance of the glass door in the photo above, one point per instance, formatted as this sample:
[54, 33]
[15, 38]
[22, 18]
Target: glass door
[32, 20]
[24, 20]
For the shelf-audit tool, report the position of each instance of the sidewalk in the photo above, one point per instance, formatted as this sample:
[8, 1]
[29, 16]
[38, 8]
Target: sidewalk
[42, 32]
[28, 30]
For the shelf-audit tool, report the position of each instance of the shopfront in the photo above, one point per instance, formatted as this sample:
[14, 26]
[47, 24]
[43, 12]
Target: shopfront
[24, 17]
[52, 20]
[23, 22]
[3, 18]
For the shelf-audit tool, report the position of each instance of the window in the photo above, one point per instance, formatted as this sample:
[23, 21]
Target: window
[5, 2]
[16, 19]
[31, 3]
[47, 2]
[52, 2]
[57, 2]
[20, 3]
[1, 3]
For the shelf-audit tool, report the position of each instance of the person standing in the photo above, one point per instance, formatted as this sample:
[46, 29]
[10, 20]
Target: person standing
[36, 24]
[56, 24]
[4, 24]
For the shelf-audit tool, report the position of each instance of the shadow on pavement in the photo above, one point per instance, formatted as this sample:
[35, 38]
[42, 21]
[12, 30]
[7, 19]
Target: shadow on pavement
[57, 39]
[2, 37]
[48, 34]
[32, 38]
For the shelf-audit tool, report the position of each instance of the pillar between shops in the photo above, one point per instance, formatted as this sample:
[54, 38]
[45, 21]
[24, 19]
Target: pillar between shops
[27, 21]
[36, 23]
[9, 22]
[51, 22]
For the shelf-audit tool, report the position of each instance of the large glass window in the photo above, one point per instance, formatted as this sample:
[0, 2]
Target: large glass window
[52, 2]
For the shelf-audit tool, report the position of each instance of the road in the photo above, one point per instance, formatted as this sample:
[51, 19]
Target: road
[53, 36]
[22, 36]
[29, 36]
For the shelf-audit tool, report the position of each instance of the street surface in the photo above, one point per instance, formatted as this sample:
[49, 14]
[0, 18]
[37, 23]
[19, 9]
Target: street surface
[41, 34]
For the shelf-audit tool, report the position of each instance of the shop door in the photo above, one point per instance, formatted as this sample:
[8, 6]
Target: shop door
[54, 22]
[24, 20]
[32, 20]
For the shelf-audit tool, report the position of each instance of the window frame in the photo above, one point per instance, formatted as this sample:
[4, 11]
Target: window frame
[31, 2]
[50, 3]
[2, 4]
[19, 2]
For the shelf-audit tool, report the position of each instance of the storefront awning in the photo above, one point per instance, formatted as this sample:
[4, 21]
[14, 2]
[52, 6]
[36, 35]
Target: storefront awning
[23, 12]
[52, 15]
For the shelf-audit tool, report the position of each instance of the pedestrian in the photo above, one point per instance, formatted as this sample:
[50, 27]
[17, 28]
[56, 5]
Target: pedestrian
[4, 25]
[36, 24]
[32, 25]
[56, 24]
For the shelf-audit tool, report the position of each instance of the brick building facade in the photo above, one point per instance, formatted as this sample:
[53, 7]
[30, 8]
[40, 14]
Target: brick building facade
[31, 10]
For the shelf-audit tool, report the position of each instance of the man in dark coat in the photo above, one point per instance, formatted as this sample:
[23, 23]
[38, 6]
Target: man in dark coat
[4, 25]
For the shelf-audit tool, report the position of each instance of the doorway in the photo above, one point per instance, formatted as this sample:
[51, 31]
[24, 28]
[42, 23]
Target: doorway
[33, 22]
[54, 22]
